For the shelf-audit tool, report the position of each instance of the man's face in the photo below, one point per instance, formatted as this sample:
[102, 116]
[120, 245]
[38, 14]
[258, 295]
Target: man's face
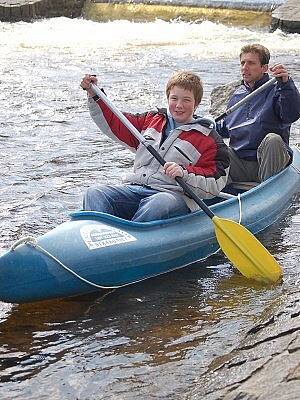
[181, 104]
[251, 68]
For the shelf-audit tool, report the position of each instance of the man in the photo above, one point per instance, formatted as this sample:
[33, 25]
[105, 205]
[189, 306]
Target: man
[193, 150]
[259, 130]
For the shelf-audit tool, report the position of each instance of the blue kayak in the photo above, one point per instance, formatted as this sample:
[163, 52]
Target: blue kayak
[94, 251]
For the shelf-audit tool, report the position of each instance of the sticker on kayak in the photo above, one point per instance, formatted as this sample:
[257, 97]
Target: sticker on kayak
[96, 237]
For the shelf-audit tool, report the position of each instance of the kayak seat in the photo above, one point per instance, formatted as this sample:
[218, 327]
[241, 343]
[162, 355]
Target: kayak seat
[244, 185]
[239, 187]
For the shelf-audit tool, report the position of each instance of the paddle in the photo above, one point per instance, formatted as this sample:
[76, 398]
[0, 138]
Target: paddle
[242, 248]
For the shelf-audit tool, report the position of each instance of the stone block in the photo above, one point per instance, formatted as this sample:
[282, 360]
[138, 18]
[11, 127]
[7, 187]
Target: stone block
[43, 8]
[287, 17]
[25, 12]
[6, 13]
[15, 13]
[37, 9]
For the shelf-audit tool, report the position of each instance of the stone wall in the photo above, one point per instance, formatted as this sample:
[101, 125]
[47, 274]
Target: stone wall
[27, 10]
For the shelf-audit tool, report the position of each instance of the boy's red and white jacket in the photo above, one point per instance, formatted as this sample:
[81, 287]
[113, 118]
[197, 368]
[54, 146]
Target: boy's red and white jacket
[197, 148]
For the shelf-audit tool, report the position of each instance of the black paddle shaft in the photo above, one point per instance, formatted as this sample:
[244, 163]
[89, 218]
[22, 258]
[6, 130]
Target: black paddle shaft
[187, 190]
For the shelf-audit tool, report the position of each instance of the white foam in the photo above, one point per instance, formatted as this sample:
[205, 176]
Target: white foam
[206, 38]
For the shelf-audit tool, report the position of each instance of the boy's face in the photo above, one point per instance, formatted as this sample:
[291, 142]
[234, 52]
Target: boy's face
[181, 104]
[251, 68]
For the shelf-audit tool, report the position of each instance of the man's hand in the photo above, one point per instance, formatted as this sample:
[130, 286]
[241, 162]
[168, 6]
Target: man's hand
[86, 82]
[279, 71]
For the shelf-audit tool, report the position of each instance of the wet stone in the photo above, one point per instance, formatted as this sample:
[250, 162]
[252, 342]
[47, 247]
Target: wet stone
[265, 366]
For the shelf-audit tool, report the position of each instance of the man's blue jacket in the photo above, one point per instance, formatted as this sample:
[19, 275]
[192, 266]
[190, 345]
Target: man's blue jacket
[272, 110]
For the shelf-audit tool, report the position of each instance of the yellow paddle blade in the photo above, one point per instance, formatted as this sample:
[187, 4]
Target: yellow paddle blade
[245, 252]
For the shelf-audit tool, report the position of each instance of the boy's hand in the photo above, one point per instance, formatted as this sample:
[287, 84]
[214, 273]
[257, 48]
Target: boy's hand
[172, 169]
[86, 82]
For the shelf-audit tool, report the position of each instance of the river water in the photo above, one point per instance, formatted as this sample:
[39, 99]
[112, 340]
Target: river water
[152, 340]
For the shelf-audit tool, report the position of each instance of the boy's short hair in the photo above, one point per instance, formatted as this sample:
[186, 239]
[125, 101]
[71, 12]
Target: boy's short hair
[262, 52]
[188, 81]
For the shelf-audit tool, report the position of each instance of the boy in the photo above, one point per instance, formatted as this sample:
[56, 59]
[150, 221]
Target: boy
[192, 149]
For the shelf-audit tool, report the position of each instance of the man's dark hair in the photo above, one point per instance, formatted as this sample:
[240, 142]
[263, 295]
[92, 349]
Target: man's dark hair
[262, 52]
